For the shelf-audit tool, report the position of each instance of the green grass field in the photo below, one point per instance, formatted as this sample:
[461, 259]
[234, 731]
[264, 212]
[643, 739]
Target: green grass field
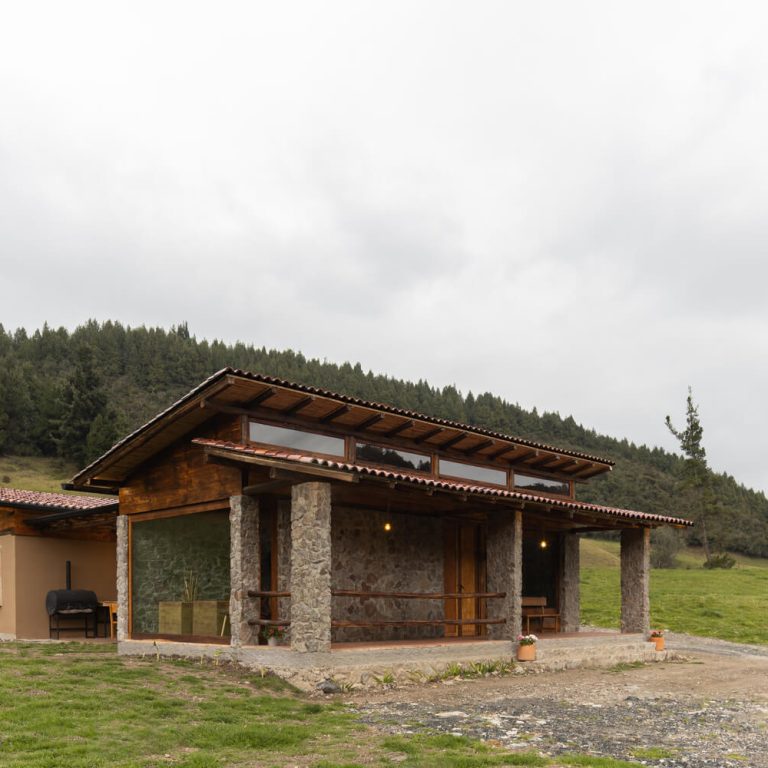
[68, 705]
[34, 473]
[729, 604]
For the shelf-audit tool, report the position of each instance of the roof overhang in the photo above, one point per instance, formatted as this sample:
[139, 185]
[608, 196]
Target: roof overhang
[283, 468]
[238, 392]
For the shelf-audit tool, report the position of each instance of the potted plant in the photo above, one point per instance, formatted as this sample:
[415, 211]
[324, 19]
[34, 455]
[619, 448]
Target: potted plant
[526, 647]
[657, 637]
[273, 634]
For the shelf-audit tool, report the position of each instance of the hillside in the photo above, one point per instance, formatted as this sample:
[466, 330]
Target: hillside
[71, 394]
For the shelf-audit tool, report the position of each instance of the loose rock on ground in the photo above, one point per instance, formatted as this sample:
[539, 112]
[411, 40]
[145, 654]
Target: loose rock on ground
[708, 710]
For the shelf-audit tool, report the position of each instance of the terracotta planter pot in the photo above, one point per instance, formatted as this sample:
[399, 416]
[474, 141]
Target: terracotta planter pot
[659, 641]
[273, 641]
[526, 652]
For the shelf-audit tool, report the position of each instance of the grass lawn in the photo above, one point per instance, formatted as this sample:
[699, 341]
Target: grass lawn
[730, 604]
[34, 473]
[69, 705]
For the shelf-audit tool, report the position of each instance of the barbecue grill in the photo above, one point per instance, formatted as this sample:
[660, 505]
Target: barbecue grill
[77, 607]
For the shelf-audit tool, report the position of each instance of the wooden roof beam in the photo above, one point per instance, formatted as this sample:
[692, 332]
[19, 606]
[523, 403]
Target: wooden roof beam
[298, 406]
[399, 428]
[477, 448]
[334, 414]
[429, 435]
[369, 422]
[545, 461]
[455, 439]
[498, 454]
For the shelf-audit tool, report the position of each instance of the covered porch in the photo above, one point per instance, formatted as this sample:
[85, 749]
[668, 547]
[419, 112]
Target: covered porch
[350, 567]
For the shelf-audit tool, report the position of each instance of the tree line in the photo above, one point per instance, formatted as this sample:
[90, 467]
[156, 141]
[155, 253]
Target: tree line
[73, 393]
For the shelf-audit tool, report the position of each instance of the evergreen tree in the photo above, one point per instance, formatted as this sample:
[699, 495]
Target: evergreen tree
[84, 399]
[696, 486]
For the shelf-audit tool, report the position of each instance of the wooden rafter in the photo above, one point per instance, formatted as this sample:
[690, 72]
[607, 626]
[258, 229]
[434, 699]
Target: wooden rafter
[369, 422]
[334, 414]
[455, 439]
[399, 428]
[298, 406]
[477, 448]
[429, 435]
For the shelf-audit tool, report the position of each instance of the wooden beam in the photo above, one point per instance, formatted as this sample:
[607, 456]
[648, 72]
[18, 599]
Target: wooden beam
[369, 422]
[429, 435]
[545, 461]
[456, 439]
[478, 447]
[498, 454]
[218, 455]
[298, 406]
[399, 428]
[334, 414]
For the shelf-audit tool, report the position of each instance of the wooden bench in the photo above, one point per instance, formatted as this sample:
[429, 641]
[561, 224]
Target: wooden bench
[536, 608]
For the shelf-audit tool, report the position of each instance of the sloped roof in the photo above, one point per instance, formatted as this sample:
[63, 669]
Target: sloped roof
[302, 459]
[63, 502]
[233, 387]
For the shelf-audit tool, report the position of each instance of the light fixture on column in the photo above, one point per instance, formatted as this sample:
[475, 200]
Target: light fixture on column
[543, 543]
[387, 524]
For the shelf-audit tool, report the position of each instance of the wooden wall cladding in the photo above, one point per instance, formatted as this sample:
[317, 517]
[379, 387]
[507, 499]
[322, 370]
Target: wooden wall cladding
[180, 476]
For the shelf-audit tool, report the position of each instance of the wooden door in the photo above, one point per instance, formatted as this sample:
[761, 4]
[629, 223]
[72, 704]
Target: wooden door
[464, 571]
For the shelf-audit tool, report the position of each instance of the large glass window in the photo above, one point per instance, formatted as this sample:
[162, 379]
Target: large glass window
[472, 472]
[296, 438]
[393, 457]
[542, 485]
[180, 576]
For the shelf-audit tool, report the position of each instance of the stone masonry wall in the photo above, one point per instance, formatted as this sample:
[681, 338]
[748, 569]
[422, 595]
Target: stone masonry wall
[243, 568]
[570, 607]
[409, 558]
[311, 567]
[635, 573]
[504, 569]
[122, 577]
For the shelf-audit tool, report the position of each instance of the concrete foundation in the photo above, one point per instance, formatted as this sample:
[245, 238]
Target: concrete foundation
[360, 666]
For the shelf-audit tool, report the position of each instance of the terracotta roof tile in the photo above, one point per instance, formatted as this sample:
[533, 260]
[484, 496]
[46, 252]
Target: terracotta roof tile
[347, 399]
[448, 485]
[11, 497]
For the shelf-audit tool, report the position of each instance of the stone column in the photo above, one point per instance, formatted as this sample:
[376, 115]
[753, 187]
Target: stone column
[570, 609]
[504, 569]
[311, 567]
[244, 572]
[122, 578]
[635, 571]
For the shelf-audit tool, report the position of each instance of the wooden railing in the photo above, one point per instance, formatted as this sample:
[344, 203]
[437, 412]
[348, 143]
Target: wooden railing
[256, 593]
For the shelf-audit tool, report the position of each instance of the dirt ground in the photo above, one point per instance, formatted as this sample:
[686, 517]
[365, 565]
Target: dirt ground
[707, 708]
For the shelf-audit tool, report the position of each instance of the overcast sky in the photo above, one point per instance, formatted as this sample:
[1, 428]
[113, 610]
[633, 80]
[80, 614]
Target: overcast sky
[562, 203]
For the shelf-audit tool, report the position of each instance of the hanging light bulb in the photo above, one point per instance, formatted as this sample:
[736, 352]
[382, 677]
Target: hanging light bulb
[387, 527]
[543, 543]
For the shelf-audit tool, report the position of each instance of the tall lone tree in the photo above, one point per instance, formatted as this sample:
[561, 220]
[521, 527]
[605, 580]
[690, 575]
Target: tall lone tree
[696, 477]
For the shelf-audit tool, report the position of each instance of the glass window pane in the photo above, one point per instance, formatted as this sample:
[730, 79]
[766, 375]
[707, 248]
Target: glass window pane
[542, 484]
[473, 472]
[394, 457]
[180, 575]
[295, 438]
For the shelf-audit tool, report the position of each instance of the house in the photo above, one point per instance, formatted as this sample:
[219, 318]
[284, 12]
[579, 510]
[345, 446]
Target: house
[254, 503]
[44, 536]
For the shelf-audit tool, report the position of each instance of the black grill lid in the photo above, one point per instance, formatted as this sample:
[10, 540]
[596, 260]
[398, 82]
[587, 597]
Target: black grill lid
[66, 600]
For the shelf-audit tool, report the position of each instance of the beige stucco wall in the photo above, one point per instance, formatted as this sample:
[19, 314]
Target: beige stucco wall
[40, 566]
[7, 587]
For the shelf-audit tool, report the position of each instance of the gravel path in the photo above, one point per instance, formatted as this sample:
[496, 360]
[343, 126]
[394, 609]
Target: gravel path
[708, 710]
